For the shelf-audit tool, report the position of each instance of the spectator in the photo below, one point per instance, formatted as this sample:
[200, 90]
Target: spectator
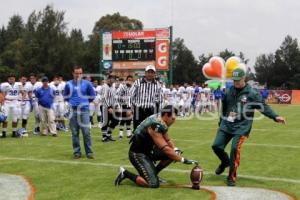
[45, 96]
[79, 93]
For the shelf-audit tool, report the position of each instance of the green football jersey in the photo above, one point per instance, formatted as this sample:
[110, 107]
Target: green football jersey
[142, 141]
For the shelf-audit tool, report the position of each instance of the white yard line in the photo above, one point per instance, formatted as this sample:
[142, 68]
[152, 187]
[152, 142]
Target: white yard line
[129, 166]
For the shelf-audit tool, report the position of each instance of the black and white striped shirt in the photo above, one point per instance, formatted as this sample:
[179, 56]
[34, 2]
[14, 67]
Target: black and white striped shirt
[108, 95]
[123, 95]
[146, 94]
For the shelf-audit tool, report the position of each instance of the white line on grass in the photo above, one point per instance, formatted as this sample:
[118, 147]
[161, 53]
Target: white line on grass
[246, 144]
[128, 166]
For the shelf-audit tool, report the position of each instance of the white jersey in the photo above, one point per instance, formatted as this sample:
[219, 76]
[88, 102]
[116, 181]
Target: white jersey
[36, 86]
[26, 88]
[12, 91]
[167, 95]
[185, 93]
[99, 94]
[58, 92]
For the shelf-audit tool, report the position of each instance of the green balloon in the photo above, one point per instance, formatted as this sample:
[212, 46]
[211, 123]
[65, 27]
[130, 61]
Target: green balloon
[214, 84]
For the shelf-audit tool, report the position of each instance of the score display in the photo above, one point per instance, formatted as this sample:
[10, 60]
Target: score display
[133, 50]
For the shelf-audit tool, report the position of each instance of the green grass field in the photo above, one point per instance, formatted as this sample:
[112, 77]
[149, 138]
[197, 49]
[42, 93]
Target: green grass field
[270, 158]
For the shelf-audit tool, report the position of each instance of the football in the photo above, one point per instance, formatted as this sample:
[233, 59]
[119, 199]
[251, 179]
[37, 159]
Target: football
[196, 177]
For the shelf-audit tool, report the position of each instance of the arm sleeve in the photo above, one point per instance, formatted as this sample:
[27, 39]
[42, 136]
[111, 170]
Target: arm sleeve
[264, 108]
[223, 107]
[133, 92]
[66, 93]
[90, 92]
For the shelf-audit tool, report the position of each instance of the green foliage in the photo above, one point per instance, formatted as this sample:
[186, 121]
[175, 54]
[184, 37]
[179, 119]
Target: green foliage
[186, 68]
[282, 69]
[108, 22]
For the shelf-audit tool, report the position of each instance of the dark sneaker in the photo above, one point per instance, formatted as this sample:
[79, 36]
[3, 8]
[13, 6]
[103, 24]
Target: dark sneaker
[129, 136]
[230, 182]
[120, 176]
[221, 168]
[76, 156]
[3, 135]
[14, 135]
[120, 137]
[105, 139]
[90, 156]
[110, 138]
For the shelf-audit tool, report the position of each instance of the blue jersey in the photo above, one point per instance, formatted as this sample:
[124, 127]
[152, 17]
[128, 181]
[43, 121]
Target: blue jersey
[45, 96]
[79, 93]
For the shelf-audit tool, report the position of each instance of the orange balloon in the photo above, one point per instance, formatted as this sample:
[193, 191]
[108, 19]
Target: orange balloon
[214, 69]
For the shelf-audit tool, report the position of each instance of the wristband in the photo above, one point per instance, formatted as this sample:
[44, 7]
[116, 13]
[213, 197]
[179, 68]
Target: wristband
[182, 159]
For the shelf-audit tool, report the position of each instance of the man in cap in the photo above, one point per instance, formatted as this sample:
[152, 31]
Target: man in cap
[45, 96]
[146, 96]
[238, 107]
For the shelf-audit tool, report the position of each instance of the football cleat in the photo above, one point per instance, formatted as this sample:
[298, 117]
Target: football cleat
[120, 177]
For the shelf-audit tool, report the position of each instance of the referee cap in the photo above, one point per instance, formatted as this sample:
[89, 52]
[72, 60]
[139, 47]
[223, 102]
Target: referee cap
[150, 67]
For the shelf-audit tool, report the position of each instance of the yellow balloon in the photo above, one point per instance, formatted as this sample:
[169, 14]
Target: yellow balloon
[231, 64]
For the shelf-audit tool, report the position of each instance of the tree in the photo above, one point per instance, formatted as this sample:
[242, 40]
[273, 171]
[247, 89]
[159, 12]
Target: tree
[11, 51]
[281, 70]
[15, 29]
[264, 66]
[186, 68]
[108, 22]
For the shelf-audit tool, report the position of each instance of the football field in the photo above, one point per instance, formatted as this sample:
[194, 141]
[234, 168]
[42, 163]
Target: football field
[270, 158]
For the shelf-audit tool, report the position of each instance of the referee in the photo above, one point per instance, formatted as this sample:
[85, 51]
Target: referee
[110, 120]
[146, 96]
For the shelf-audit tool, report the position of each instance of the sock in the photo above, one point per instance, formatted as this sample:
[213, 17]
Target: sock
[130, 175]
[24, 123]
[109, 132]
[121, 133]
[129, 132]
[104, 134]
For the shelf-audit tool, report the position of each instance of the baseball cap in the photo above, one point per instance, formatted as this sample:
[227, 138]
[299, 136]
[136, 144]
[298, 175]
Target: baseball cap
[150, 67]
[238, 74]
[45, 79]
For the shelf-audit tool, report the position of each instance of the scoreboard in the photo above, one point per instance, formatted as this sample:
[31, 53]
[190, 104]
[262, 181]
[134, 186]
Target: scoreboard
[133, 50]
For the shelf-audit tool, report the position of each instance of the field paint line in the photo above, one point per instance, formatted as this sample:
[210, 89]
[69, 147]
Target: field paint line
[246, 144]
[261, 178]
[273, 145]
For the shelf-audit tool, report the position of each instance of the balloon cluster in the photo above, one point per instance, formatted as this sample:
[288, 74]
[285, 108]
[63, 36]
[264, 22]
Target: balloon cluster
[218, 69]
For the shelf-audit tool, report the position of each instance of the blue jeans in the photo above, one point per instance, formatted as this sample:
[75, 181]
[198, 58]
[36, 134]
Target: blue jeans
[80, 119]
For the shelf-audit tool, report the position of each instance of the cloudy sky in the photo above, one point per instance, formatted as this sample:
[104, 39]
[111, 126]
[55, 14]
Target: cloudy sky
[251, 26]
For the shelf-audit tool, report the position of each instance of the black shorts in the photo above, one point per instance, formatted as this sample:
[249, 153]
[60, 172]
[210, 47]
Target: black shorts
[145, 166]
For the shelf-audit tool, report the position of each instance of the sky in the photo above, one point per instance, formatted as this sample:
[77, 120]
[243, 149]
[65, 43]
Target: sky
[253, 27]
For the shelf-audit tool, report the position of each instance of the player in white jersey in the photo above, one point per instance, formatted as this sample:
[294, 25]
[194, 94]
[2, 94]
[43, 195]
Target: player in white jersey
[166, 96]
[58, 103]
[94, 105]
[99, 102]
[25, 101]
[185, 99]
[35, 85]
[11, 91]
[173, 99]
